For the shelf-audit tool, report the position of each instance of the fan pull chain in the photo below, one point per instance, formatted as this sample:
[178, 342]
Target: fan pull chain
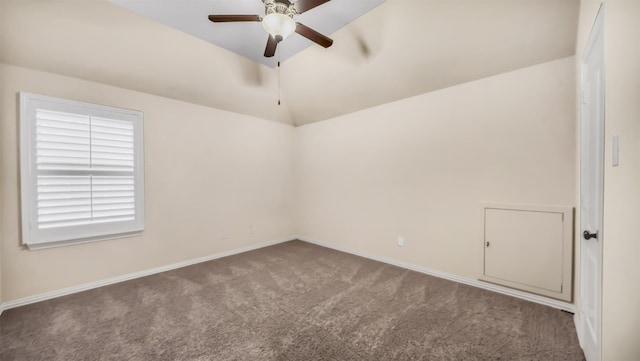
[278, 75]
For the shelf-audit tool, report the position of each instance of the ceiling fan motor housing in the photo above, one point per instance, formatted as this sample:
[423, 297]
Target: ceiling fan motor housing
[276, 7]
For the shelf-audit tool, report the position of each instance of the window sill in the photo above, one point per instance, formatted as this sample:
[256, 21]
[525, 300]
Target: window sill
[38, 246]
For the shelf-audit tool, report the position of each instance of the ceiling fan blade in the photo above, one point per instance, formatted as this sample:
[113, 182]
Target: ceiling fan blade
[270, 50]
[305, 5]
[233, 18]
[313, 35]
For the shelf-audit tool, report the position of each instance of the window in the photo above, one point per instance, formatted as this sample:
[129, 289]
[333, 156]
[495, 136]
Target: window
[82, 171]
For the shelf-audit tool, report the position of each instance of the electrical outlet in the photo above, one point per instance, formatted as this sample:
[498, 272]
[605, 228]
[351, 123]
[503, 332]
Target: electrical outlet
[400, 241]
[250, 230]
[224, 235]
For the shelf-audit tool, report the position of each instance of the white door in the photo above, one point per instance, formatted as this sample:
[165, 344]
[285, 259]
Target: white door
[591, 189]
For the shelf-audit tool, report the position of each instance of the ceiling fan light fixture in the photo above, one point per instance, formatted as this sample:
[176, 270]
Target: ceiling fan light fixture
[279, 25]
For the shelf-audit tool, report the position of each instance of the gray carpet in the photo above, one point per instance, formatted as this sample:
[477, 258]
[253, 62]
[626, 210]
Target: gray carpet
[293, 301]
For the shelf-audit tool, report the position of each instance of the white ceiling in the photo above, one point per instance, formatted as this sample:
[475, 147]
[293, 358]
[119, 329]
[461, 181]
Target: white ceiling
[247, 38]
[399, 49]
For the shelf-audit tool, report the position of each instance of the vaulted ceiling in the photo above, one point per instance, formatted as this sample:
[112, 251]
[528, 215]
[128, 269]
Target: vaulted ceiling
[399, 49]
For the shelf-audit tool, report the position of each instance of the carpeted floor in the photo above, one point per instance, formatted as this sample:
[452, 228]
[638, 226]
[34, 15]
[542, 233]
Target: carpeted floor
[293, 301]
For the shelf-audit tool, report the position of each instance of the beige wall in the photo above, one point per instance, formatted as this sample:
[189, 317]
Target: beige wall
[421, 166]
[621, 248]
[3, 105]
[417, 167]
[621, 244]
[206, 171]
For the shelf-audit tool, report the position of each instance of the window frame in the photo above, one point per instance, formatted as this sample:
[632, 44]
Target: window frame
[32, 236]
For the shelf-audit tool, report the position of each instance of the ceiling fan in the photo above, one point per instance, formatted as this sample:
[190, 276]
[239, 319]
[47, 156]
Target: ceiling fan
[278, 22]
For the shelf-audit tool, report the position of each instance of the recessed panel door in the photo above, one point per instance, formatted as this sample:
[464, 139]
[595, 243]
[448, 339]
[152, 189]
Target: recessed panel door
[525, 247]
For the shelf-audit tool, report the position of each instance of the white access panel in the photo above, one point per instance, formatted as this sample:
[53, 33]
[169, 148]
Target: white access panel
[529, 248]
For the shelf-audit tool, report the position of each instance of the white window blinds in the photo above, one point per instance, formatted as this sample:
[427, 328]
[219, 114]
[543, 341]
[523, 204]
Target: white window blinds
[84, 170]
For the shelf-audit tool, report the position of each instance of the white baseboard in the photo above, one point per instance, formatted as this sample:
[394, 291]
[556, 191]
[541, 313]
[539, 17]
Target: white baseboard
[467, 281]
[471, 282]
[87, 286]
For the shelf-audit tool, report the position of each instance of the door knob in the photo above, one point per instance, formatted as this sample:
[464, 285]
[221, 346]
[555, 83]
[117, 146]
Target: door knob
[588, 235]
